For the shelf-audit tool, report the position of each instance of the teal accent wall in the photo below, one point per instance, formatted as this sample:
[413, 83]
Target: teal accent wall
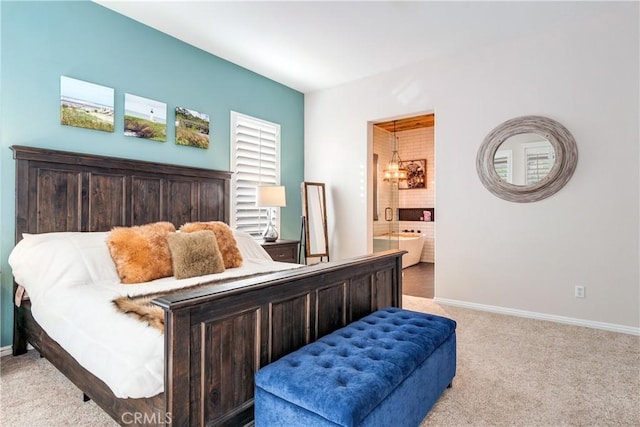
[41, 41]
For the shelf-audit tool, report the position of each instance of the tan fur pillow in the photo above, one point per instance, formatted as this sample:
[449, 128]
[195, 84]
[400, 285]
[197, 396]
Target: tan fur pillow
[141, 253]
[224, 235]
[195, 254]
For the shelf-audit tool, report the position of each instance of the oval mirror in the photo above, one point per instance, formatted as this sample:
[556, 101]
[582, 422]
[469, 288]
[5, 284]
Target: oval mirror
[527, 159]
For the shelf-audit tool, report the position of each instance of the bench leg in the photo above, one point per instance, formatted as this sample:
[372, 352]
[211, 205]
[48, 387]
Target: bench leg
[450, 385]
[85, 398]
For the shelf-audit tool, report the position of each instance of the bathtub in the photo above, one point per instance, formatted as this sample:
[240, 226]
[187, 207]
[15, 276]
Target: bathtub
[410, 242]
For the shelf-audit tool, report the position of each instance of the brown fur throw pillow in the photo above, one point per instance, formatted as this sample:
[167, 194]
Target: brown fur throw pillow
[141, 253]
[224, 235]
[195, 254]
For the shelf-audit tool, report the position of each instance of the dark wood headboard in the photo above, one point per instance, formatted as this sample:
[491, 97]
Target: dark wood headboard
[64, 191]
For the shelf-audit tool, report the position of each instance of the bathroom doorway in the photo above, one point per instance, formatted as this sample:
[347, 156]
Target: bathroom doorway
[404, 197]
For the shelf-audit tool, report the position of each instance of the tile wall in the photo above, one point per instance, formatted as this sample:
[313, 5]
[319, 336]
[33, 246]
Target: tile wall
[413, 145]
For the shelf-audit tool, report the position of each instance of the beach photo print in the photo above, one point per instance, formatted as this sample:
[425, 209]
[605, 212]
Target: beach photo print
[86, 105]
[145, 118]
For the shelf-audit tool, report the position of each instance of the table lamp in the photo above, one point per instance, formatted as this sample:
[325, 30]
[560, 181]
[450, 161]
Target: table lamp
[270, 196]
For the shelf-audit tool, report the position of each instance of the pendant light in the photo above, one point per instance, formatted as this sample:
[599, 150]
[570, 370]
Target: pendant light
[395, 172]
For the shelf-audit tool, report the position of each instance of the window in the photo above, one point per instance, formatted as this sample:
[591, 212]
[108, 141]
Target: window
[255, 159]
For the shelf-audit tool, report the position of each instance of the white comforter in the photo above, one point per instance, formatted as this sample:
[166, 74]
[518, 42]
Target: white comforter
[71, 281]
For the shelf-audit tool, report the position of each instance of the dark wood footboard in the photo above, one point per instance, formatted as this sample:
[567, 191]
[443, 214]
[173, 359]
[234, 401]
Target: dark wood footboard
[217, 337]
[216, 340]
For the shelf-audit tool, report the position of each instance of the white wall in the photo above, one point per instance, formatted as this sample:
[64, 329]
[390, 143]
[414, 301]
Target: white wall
[527, 256]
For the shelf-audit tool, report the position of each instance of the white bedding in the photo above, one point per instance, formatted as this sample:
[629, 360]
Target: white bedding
[71, 281]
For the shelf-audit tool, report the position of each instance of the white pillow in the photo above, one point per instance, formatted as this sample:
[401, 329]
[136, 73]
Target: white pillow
[42, 262]
[249, 247]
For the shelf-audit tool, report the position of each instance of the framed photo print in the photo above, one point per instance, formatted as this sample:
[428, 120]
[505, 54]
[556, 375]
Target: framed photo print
[86, 105]
[145, 118]
[192, 128]
[416, 174]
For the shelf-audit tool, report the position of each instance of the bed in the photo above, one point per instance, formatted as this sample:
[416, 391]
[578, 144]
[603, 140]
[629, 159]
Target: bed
[256, 320]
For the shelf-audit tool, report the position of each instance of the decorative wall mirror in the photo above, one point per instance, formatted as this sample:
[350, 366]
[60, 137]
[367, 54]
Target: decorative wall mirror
[314, 209]
[527, 159]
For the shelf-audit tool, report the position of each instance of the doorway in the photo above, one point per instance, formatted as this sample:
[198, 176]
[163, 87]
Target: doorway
[404, 198]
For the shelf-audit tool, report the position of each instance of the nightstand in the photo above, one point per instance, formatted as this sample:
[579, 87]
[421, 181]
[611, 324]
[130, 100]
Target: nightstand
[282, 250]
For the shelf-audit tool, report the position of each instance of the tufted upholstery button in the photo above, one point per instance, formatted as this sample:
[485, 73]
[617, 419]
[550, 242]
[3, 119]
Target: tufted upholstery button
[342, 381]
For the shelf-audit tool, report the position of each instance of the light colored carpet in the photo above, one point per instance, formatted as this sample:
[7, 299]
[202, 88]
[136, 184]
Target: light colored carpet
[511, 372]
[34, 394]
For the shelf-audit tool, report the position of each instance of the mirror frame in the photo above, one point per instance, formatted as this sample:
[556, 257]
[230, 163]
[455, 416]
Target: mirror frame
[323, 216]
[564, 145]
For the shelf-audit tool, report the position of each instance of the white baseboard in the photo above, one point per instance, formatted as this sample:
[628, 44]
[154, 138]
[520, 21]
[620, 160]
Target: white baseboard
[5, 351]
[8, 350]
[540, 316]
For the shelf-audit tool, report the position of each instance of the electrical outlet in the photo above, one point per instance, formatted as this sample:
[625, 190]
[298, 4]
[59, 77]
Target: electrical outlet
[579, 292]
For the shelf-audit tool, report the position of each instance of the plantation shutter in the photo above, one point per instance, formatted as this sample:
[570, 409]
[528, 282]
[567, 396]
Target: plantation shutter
[255, 159]
[539, 162]
[502, 165]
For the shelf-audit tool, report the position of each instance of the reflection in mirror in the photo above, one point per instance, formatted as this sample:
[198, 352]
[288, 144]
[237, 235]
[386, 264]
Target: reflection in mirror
[315, 214]
[524, 159]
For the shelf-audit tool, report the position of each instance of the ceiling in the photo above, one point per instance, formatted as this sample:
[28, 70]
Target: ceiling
[309, 45]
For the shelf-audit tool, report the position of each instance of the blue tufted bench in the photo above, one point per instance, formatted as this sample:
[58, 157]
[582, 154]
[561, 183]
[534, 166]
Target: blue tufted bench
[387, 368]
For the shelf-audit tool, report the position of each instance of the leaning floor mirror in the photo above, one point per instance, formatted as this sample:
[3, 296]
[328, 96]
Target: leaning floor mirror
[314, 211]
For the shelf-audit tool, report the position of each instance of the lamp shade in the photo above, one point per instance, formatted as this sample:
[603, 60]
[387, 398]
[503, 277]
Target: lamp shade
[270, 196]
